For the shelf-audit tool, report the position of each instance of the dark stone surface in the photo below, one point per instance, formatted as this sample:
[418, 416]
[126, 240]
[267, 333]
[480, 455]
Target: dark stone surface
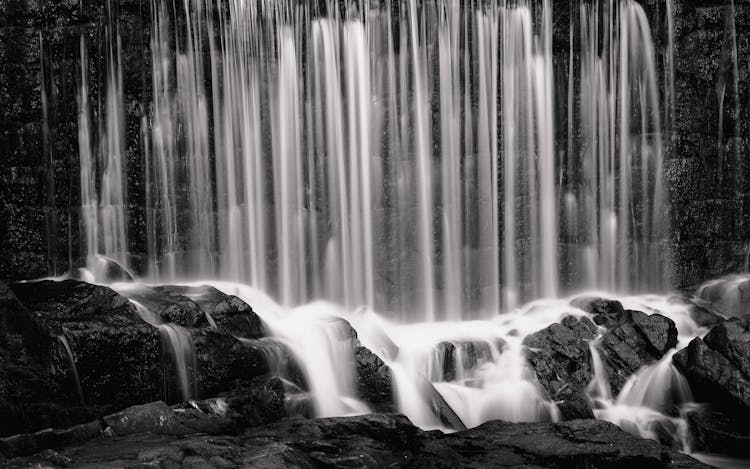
[559, 354]
[606, 312]
[231, 314]
[379, 440]
[713, 378]
[374, 380]
[638, 340]
[714, 431]
[117, 356]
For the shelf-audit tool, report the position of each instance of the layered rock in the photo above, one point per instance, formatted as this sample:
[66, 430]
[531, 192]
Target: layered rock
[379, 440]
[637, 340]
[717, 368]
[559, 354]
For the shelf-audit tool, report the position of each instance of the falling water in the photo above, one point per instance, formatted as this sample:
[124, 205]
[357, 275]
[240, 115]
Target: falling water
[72, 364]
[620, 200]
[177, 348]
[400, 158]
[102, 163]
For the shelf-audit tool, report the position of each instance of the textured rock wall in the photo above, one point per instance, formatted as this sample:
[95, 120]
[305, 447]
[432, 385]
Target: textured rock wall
[707, 169]
[708, 172]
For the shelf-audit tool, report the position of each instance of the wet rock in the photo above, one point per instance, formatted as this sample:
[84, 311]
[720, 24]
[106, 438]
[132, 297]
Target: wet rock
[373, 376]
[559, 354]
[729, 295]
[106, 270]
[379, 440]
[714, 431]
[732, 339]
[700, 311]
[446, 354]
[30, 443]
[470, 354]
[222, 359]
[260, 402]
[578, 443]
[170, 307]
[229, 313]
[713, 378]
[639, 340]
[439, 407]
[607, 313]
[158, 418]
[116, 355]
[374, 380]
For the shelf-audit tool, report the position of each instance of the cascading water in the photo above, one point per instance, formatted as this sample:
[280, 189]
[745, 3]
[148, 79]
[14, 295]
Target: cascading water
[401, 158]
[177, 351]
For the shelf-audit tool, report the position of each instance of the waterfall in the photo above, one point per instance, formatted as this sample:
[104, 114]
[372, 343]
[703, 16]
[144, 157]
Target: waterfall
[401, 157]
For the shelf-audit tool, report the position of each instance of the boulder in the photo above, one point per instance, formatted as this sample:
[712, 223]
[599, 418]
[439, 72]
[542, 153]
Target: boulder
[260, 402]
[732, 339]
[228, 313]
[559, 354]
[166, 306]
[714, 378]
[607, 313]
[373, 376]
[158, 418]
[442, 410]
[374, 380]
[116, 355]
[223, 359]
[638, 340]
[729, 295]
[714, 431]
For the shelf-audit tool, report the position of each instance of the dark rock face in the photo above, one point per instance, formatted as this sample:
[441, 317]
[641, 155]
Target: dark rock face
[116, 354]
[559, 354]
[379, 440]
[714, 431]
[373, 380]
[231, 315]
[639, 340]
[606, 312]
[716, 367]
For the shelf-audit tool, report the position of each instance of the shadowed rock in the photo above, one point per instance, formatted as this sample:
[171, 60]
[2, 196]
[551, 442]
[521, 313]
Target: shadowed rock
[638, 340]
[559, 354]
[380, 440]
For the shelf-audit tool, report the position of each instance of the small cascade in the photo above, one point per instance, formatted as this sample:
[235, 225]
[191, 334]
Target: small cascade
[322, 344]
[650, 403]
[63, 341]
[178, 353]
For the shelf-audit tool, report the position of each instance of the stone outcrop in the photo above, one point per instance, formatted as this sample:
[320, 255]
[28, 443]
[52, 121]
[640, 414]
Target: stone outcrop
[638, 340]
[559, 354]
[379, 440]
[717, 369]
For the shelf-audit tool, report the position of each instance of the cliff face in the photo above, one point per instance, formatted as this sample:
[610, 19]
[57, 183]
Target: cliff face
[708, 172]
[707, 169]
